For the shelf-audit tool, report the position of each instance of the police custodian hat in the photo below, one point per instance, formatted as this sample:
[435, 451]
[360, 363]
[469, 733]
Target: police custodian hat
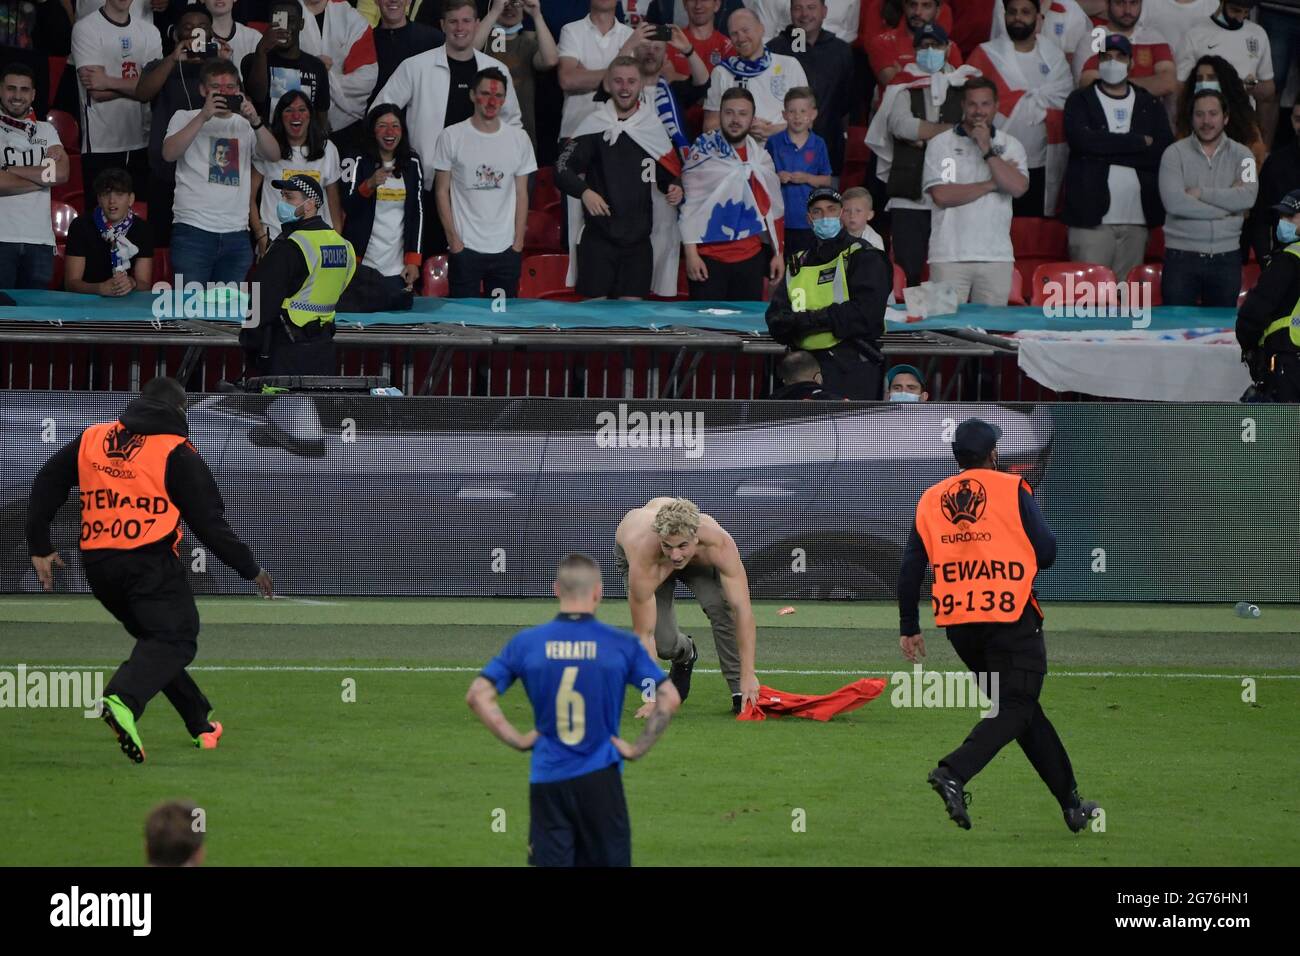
[303, 184]
[975, 436]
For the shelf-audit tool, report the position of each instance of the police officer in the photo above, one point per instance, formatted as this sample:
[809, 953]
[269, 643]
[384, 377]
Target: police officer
[1268, 323]
[984, 535]
[301, 278]
[139, 477]
[833, 302]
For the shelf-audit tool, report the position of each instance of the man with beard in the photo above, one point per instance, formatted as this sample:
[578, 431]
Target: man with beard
[1033, 82]
[1152, 66]
[733, 198]
[892, 50]
[833, 303]
[28, 149]
[604, 167]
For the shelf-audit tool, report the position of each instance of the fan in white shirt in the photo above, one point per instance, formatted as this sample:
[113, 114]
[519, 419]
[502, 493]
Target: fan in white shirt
[241, 38]
[782, 74]
[1230, 35]
[587, 47]
[109, 49]
[142, 10]
[30, 153]
[304, 151]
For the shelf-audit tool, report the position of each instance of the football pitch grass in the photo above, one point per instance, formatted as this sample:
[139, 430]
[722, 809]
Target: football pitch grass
[1147, 698]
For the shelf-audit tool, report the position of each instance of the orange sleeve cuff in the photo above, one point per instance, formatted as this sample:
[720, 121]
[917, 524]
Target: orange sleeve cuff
[365, 189]
[412, 259]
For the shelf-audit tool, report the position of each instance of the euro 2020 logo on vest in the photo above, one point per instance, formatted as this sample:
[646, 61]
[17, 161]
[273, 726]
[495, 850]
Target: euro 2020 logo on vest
[122, 445]
[964, 501]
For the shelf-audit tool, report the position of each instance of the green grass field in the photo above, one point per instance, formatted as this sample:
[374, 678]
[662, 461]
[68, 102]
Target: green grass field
[1147, 698]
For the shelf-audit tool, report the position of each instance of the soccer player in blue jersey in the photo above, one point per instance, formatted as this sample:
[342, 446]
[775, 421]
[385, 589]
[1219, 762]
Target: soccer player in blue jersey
[576, 670]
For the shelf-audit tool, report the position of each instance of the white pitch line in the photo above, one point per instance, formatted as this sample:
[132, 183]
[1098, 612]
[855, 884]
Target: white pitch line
[313, 669]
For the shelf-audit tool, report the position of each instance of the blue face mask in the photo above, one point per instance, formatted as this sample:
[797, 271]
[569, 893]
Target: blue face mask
[1207, 85]
[828, 227]
[287, 212]
[904, 397]
[930, 59]
[1286, 231]
[511, 31]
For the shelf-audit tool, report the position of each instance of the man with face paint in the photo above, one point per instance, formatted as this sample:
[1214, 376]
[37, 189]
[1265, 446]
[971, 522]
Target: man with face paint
[983, 533]
[1116, 132]
[300, 280]
[832, 303]
[1267, 328]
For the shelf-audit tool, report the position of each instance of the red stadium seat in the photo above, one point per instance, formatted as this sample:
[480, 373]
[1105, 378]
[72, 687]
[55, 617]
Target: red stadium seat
[61, 216]
[543, 277]
[56, 65]
[1036, 238]
[162, 265]
[543, 232]
[65, 124]
[1156, 245]
[141, 209]
[70, 192]
[857, 156]
[1249, 276]
[435, 277]
[260, 26]
[546, 195]
[1068, 274]
[900, 282]
[1150, 273]
[1017, 294]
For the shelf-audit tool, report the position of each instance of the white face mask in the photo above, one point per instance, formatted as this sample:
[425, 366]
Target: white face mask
[1112, 72]
[904, 397]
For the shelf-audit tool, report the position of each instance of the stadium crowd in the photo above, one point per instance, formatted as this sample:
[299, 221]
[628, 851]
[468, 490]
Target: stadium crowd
[473, 147]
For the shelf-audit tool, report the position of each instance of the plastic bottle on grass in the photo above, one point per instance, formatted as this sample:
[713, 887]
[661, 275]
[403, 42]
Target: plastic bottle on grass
[1246, 609]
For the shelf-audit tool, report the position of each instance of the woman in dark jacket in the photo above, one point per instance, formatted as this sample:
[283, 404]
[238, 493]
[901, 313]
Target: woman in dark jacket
[384, 206]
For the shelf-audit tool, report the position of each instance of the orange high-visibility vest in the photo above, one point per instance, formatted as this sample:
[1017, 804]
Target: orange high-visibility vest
[123, 480]
[984, 563]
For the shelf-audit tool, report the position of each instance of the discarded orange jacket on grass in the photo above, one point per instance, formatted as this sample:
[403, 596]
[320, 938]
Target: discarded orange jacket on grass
[777, 703]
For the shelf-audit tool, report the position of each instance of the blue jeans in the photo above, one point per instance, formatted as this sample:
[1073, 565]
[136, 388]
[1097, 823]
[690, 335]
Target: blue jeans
[26, 265]
[1283, 31]
[202, 256]
[1194, 278]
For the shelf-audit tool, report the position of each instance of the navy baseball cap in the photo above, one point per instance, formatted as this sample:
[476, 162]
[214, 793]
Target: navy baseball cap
[931, 31]
[975, 436]
[904, 370]
[824, 192]
[1117, 41]
[1290, 204]
[303, 184]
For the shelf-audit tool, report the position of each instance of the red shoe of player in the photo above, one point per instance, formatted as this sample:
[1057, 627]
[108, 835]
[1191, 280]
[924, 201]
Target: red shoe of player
[209, 740]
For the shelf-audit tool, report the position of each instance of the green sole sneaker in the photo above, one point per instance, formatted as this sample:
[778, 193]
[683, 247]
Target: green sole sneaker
[119, 719]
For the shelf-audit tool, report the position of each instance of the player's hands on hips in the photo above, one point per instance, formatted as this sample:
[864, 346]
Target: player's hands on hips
[264, 586]
[748, 692]
[527, 740]
[45, 568]
[913, 646]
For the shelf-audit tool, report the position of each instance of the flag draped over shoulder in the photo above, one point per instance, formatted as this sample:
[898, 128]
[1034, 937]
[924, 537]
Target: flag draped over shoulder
[909, 77]
[1026, 101]
[778, 703]
[720, 203]
[647, 130]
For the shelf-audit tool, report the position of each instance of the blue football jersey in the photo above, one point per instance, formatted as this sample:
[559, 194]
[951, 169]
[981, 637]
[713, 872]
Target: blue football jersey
[575, 670]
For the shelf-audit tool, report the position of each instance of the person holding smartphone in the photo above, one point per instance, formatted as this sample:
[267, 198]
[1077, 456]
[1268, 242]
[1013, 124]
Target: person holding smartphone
[526, 53]
[212, 148]
[279, 65]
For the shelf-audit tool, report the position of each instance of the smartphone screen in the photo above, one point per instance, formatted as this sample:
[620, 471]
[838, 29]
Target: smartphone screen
[280, 19]
[234, 101]
[662, 32]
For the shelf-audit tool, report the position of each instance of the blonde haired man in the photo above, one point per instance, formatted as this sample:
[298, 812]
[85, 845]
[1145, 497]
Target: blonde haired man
[670, 540]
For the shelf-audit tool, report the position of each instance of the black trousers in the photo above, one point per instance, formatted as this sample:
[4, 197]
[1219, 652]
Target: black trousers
[308, 356]
[1282, 380]
[580, 822]
[473, 275]
[850, 373]
[909, 232]
[732, 281]
[149, 594]
[1017, 654]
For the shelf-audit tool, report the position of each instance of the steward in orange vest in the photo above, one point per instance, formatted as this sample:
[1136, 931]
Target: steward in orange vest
[982, 532]
[139, 477]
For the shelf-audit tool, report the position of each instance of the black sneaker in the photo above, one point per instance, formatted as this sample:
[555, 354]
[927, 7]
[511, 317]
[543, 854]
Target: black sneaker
[735, 703]
[680, 674]
[954, 797]
[1078, 816]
